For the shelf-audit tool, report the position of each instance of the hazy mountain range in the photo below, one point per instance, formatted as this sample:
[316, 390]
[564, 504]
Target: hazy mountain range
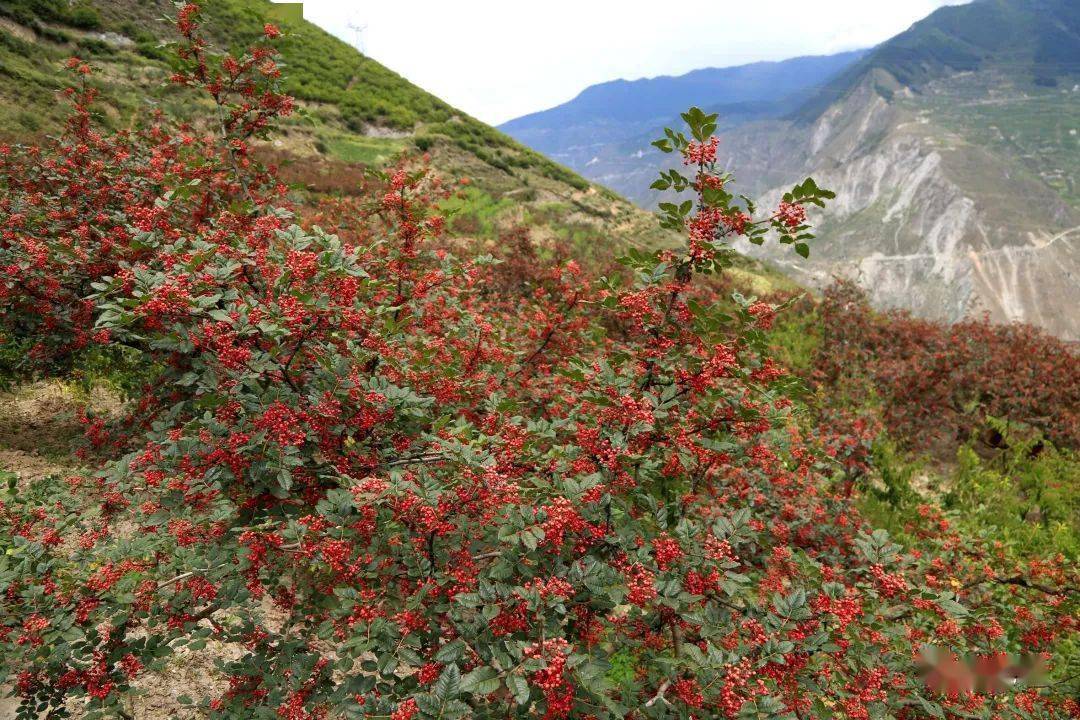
[622, 110]
[953, 148]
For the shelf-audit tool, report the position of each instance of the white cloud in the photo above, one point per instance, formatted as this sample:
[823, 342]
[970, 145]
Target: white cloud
[498, 59]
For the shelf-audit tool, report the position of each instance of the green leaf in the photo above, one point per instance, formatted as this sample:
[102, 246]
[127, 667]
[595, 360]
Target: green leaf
[952, 607]
[932, 708]
[450, 652]
[803, 249]
[529, 539]
[520, 687]
[448, 686]
[429, 704]
[481, 681]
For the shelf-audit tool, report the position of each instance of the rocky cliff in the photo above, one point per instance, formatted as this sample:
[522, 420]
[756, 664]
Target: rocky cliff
[927, 217]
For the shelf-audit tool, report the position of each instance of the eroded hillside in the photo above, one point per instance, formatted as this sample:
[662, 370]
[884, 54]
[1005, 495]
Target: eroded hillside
[930, 218]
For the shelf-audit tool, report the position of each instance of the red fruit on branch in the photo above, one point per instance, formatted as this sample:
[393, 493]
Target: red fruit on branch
[393, 482]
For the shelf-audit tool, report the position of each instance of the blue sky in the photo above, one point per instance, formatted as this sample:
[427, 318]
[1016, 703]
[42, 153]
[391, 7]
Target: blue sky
[499, 59]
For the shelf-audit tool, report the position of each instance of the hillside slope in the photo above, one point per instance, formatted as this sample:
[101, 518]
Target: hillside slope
[352, 111]
[1032, 41]
[930, 216]
[954, 152]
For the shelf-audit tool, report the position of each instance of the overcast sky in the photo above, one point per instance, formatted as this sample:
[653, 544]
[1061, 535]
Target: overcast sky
[499, 59]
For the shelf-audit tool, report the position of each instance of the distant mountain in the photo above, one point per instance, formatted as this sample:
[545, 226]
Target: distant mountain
[624, 109]
[954, 149]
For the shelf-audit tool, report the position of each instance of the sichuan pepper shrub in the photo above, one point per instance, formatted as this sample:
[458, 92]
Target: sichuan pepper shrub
[394, 494]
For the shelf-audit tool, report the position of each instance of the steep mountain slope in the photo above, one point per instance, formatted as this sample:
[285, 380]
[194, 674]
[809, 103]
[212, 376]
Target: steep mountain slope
[954, 153]
[954, 149]
[1033, 41]
[352, 110]
[929, 217]
[579, 131]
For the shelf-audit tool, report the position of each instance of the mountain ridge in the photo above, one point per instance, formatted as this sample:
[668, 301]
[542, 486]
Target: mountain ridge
[621, 110]
[983, 34]
[745, 77]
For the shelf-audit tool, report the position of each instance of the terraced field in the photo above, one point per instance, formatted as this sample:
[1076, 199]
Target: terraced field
[1038, 126]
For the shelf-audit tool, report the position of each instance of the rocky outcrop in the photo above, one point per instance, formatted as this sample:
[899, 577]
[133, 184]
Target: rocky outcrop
[929, 221]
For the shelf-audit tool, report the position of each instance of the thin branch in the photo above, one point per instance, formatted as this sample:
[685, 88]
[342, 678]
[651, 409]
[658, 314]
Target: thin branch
[659, 696]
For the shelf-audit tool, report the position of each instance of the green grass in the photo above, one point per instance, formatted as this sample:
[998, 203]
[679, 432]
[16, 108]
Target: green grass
[1029, 502]
[28, 93]
[287, 11]
[371, 151]
[1031, 505]
[475, 212]
[80, 14]
[1040, 127]
[889, 499]
[795, 338]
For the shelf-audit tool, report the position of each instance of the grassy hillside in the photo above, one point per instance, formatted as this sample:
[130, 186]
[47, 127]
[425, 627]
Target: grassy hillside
[1037, 127]
[1035, 42]
[352, 110]
[367, 97]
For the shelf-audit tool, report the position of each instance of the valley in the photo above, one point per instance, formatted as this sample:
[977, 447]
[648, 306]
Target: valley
[955, 154]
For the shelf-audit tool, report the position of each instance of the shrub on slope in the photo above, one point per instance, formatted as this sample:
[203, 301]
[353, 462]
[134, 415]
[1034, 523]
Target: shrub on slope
[937, 382]
[396, 495]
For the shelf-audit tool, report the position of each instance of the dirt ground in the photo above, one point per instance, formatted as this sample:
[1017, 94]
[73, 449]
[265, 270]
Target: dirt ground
[39, 433]
[40, 428]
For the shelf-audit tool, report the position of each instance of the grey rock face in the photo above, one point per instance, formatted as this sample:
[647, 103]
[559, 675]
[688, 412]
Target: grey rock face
[929, 221]
[928, 215]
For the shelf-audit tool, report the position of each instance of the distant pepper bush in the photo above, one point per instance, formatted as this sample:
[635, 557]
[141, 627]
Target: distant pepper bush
[393, 493]
[939, 383]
